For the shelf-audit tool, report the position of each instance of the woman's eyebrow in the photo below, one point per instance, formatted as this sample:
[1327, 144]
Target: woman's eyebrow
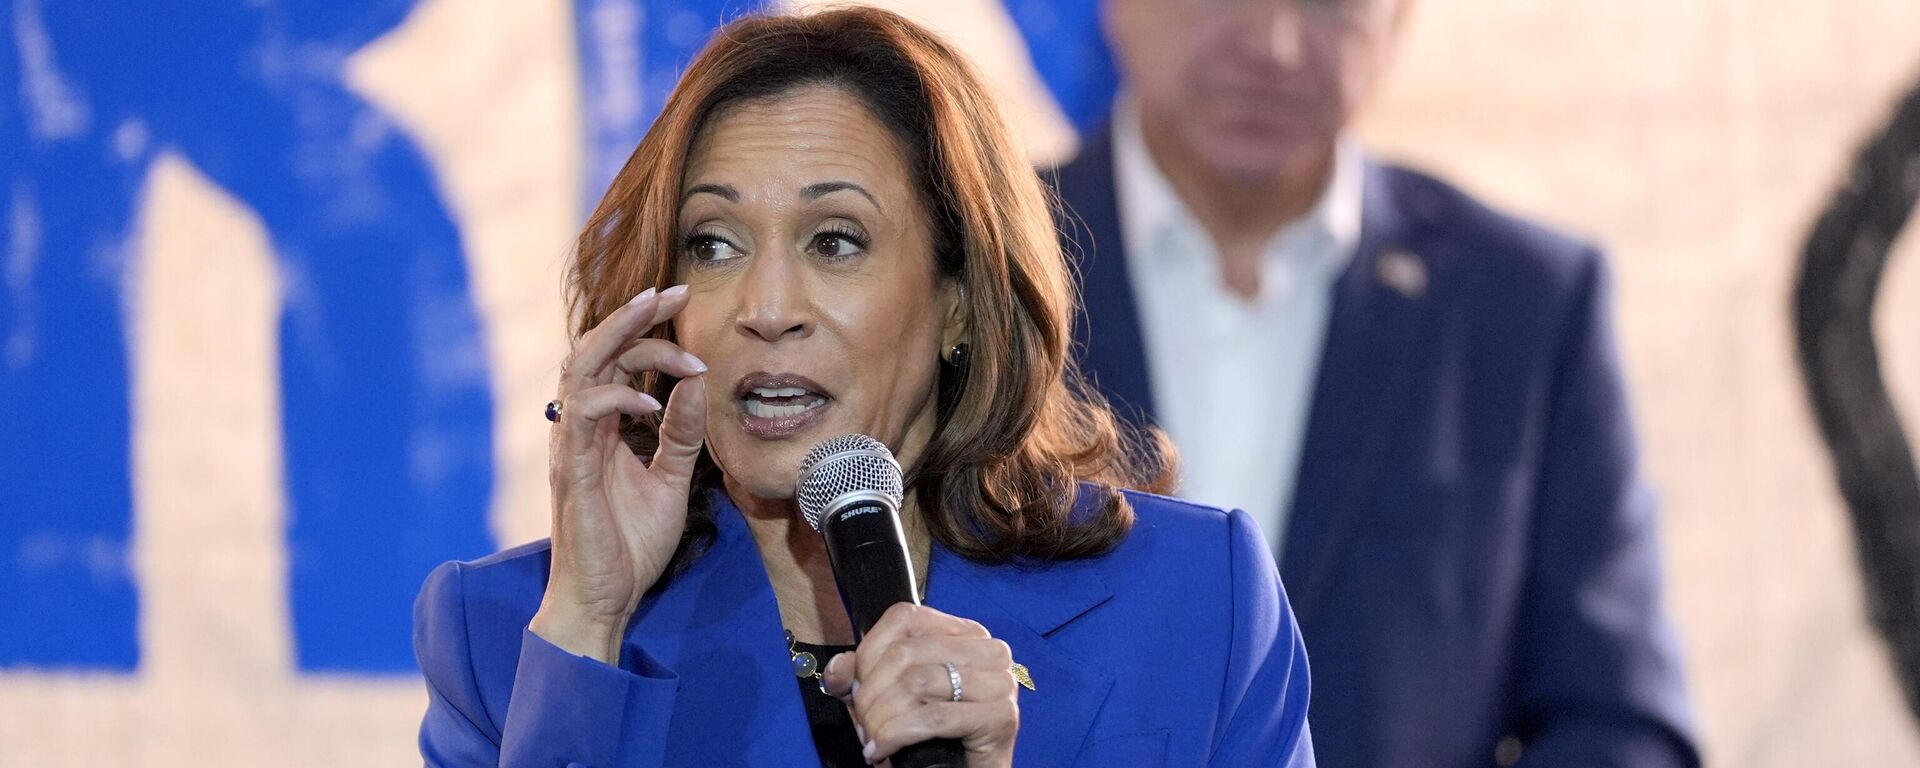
[724, 191]
[818, 190]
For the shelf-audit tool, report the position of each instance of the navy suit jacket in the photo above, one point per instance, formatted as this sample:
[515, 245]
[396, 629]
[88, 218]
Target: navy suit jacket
[1175, 649]
[1471, 551]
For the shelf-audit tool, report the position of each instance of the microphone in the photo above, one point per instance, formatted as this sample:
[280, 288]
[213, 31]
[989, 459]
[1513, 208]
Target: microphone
[850, 492]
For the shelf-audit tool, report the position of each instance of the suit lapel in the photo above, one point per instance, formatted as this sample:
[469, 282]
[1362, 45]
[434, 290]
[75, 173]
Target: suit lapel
[1108, 330]
[1022, 605]
[718, 627]
[1385, 313]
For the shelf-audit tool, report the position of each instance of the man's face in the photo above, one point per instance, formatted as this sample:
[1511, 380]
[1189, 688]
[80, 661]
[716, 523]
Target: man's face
[1246, 86]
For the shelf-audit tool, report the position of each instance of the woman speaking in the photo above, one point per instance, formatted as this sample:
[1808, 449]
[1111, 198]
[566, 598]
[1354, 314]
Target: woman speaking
[853, 244]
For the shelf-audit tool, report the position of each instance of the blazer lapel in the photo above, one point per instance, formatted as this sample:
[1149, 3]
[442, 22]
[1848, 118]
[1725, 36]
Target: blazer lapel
[1379, 343]
[1021, 605]
[718, 627]
[1113, 354]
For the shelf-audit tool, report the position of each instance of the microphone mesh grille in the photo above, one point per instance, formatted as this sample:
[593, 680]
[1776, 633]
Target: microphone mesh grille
[842, 465]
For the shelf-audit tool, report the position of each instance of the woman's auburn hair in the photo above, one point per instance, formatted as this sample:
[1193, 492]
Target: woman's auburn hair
[1017, 428]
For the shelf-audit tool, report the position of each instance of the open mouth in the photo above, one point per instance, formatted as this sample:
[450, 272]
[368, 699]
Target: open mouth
[780, 402]
[776, 405]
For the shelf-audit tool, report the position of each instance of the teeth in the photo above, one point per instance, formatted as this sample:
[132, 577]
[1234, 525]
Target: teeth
[761, 410]
[781, 392]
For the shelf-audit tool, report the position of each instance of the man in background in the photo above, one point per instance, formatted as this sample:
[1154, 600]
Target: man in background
[1419, 397]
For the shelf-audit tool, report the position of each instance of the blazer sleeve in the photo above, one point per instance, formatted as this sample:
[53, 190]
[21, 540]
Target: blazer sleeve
[1599, 679]
[565, 711]
[1263, 706]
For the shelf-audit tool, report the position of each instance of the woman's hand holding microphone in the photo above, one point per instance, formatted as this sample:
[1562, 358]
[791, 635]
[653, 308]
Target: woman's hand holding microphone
[922, 675]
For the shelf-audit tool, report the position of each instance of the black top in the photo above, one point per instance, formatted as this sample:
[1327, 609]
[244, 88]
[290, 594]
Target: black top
[832, 725]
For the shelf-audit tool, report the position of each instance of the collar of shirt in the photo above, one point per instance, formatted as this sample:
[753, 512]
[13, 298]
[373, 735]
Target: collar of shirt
[1206, 346]
[1159, 228]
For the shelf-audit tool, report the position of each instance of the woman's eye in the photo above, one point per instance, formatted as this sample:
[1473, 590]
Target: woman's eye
[710, 248]
[834, 245]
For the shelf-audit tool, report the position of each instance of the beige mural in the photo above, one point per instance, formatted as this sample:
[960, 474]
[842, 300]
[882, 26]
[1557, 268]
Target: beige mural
[1696, 140]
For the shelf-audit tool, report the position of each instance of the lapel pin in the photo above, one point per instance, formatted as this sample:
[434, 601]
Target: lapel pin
[1021, 676]
[1403, 272]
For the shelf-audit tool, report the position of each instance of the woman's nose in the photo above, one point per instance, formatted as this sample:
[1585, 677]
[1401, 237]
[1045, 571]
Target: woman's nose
[774, 301]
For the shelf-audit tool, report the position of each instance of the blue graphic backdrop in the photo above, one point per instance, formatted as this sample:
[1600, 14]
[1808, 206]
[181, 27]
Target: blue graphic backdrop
[387, 409]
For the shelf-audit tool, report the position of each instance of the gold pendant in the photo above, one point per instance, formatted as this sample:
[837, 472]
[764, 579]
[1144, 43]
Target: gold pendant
[1021, 676]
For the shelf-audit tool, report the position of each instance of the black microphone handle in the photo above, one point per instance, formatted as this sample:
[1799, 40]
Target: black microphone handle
[870, 565]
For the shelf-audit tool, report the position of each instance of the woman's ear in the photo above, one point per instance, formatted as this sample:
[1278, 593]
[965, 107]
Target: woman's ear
[953, 296]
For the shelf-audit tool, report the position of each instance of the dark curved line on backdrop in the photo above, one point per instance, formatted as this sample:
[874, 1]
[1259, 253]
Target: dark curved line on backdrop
[1840, 274]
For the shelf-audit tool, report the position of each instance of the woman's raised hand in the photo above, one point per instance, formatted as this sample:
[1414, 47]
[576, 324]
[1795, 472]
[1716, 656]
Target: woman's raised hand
[616, 518]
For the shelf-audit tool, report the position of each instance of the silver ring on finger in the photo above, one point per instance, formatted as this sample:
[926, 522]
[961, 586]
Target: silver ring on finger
[953, 678]
[554, 407]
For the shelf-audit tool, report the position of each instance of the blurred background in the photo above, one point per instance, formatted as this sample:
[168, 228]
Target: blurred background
[211, 214]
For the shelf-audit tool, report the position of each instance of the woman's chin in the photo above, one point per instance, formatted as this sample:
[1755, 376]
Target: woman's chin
[760, 489]
[760, 475]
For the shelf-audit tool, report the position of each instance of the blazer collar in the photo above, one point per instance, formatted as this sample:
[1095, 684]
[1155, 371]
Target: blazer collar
[718, 627]
[1023, 604]
[1380, 342]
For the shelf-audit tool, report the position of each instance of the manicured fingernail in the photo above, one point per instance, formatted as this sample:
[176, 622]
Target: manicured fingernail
[866, 750]
[693, 362]
[675, 291]
[651, 401]
[642, 296]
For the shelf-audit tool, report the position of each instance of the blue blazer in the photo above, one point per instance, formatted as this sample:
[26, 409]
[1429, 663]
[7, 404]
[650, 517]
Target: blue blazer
[1175, 649]
[1471, 551]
